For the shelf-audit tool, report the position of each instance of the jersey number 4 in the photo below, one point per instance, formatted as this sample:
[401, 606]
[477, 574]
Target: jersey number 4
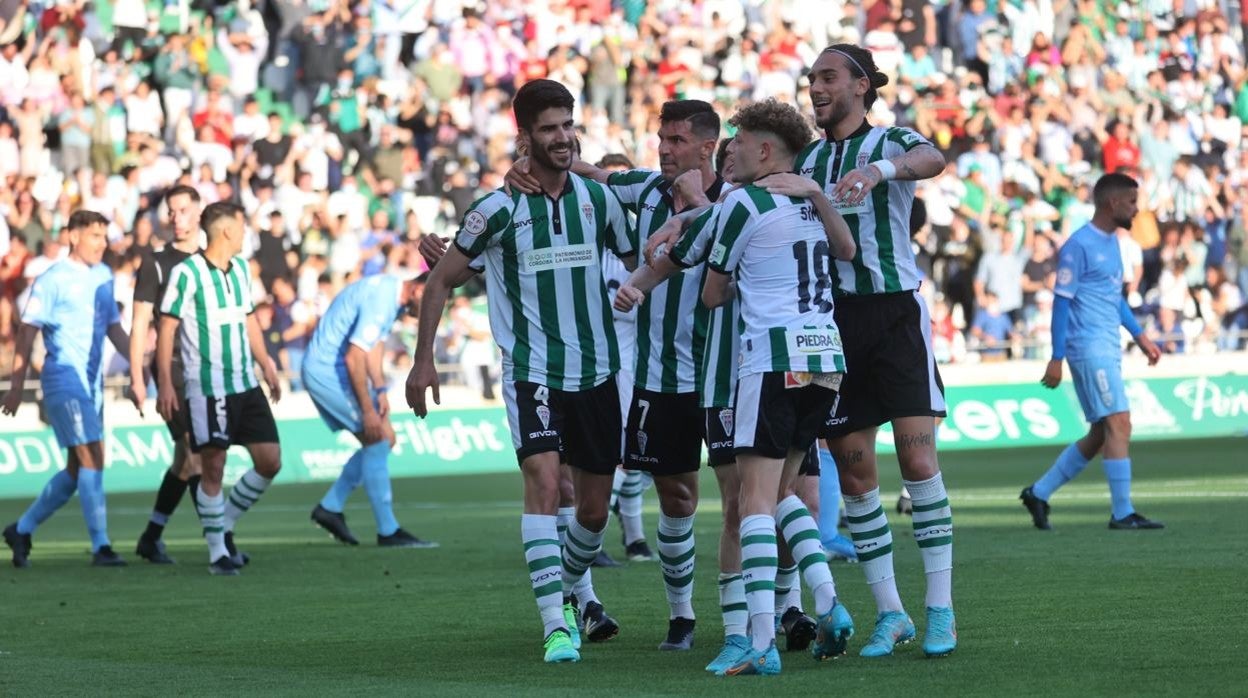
[813, 284]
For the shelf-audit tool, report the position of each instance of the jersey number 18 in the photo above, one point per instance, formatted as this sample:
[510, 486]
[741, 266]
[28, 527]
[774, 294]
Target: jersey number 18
[812, 270]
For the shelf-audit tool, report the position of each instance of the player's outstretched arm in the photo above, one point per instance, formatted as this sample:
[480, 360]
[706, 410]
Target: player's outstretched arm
[423, 375]
[923, 161]
[840, 239]
[433, 248]
[21, 364]
[643, 280]
[717, 289]
[670, 232]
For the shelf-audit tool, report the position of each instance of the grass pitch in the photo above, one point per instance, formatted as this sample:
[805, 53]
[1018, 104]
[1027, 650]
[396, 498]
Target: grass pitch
[1077, 611]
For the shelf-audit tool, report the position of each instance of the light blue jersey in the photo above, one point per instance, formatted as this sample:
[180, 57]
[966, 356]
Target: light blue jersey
[72, 304]
[362, 314]
[1089, 273]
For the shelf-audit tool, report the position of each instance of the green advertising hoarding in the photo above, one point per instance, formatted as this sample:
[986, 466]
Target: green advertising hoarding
[467, 441]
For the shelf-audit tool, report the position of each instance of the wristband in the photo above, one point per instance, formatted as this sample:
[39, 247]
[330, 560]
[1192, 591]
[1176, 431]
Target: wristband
[887, 169]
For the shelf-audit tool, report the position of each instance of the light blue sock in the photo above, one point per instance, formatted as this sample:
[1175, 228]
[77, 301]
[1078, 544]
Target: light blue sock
[1118, 473]
[829, 495]
[377, 485]
[352, 472]
[94, 511]
[1066, 468]
[54, 495]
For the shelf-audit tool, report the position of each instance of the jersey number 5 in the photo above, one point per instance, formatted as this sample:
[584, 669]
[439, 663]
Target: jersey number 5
[812, 271]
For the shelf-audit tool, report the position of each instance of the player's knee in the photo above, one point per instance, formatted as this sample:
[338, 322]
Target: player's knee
[1118, 426]
[591, 516]
[919, 465]
[270, 465]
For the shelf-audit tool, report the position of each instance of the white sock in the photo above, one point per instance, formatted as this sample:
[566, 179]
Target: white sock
[212, 517]
[933, 531]
[630, 506]
[541, 551]
[243, 495]
[732, 604]
[580, 547]
[676, 559]
[873, 541]
[758, 571]
[801, 532]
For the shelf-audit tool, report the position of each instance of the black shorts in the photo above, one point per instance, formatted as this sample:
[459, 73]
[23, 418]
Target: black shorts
[717, 431]
[810, 464]
[583, 427]
[773, 419]
[664, 434]
[221, 422]
[891, 369]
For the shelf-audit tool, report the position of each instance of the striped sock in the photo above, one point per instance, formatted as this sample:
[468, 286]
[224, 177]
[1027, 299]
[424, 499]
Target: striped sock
[732, 604]
[802, 534]
[786, 579]
[212, 516]
[933, 531]
[758, 571]
[540, 534]
[580, 547]
[630, 506]
[584, 589]
[873, 541]
[243, 496]
[676, 559]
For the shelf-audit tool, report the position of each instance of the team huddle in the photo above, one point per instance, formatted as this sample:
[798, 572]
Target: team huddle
[776, 306]
[768, 302]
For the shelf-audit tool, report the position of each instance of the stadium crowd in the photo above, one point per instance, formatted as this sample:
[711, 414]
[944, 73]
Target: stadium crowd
[348, 129]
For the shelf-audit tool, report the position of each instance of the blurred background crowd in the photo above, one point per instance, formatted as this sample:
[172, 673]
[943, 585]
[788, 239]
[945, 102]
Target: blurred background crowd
[349, 128]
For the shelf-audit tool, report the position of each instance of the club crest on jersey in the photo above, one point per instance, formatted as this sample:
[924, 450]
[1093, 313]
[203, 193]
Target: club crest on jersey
[725, 420]
[862, 159]
[641, 442]
[1064, 276]
[543, 413]
[587, 210]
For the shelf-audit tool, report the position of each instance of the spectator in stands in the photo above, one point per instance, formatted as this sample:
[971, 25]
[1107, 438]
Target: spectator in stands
[992, 330]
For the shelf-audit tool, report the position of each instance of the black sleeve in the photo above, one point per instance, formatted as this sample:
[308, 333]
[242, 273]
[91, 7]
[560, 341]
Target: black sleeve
[147, 282]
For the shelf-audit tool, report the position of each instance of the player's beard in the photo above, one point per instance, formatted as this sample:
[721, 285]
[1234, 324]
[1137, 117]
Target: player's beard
[841, 108]
[542, 155]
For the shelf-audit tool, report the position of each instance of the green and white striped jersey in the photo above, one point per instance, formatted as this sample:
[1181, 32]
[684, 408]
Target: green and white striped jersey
[716, 331]
[548, 302]
[213, 305]
[880, 225]
[778, 251]
[665, 319]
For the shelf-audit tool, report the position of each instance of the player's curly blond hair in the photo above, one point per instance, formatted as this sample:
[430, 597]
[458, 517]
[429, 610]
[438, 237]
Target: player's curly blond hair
[777, 118]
